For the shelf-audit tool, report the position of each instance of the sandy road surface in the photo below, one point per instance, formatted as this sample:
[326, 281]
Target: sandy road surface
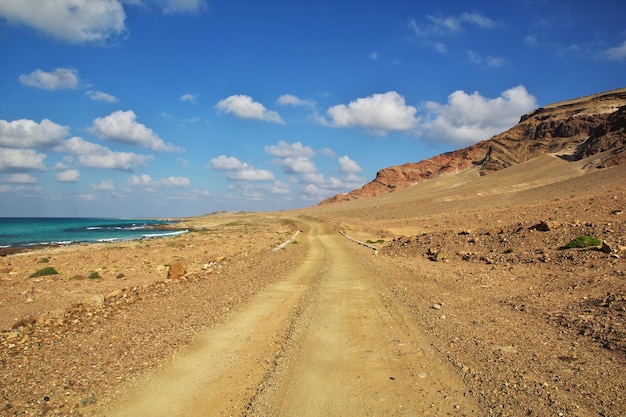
[349, 353]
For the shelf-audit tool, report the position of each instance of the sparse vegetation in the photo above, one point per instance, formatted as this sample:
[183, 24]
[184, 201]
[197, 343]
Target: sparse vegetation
[583, 242]
[381, 241]
[45, 271]
[44, 260]
[94, 275]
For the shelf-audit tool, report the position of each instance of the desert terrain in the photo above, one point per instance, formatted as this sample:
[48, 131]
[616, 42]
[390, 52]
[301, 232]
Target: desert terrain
[463, 300]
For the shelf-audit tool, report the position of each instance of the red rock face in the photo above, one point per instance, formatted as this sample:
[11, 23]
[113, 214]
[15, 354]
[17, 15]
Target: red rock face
[574, 129]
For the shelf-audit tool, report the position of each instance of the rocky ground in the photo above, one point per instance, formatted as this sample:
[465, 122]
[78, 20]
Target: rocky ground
[533, 328]
[68, 340]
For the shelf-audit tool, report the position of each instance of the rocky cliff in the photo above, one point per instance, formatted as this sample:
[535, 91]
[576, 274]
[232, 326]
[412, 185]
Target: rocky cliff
[573, 129]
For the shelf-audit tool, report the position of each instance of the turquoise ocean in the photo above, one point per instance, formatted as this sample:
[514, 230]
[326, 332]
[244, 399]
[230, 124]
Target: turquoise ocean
[19, 231]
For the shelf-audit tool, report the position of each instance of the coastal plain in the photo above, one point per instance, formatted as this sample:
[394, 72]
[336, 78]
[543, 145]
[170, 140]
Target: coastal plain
[470, 304]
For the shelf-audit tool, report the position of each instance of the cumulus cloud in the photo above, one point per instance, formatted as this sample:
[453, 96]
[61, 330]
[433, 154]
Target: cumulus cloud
[19, 178]
[25, 133]
[16, 160]
[76, 21]
[286, 150]
[172, 6]
[96, 156]
[617, 53]
[70, 175]
[172, 182]
[122, 126]
[468, 118]
[191, 98]
[58, 79]
[146, 181]
[378, 112]
[348, 166]
[240, 171]
[450, 25]
[143, 180]
[244, 107]
[106, 185]
[100, 96]
[291, 100]
[295, 157]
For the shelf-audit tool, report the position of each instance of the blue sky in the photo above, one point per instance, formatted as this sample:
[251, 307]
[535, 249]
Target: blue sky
[169, 108]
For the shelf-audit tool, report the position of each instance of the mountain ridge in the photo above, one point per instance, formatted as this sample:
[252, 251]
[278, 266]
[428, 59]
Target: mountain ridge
[573, 129]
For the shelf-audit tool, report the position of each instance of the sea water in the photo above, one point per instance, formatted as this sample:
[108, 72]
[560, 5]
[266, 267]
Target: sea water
[19, 231]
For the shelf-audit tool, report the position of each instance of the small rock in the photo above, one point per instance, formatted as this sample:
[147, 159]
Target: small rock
[606, 248]
[436, 306]
[545, 226]
[113, 294]
[87, 401]
[176, 270]
[96, 300]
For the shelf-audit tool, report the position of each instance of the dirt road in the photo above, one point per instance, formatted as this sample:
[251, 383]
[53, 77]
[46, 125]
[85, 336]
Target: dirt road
[322, 341]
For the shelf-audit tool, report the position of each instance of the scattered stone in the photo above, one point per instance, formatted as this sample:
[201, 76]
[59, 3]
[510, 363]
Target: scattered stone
[545, 226]
[176, 271]
[508, 349]
[96, 300]
[436, 306]
[495, 231]
[606, 248]
[87, 401]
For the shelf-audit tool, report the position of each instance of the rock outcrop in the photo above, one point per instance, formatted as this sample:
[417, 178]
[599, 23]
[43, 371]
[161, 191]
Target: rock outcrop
[573, 129]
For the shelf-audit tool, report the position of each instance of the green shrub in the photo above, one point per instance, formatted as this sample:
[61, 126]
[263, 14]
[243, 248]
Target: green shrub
[45, 271]
[583, 242]
[44, 260]
[120, 276]
[94, 275]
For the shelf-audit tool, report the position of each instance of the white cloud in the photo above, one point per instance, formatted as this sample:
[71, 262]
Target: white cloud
[291, 100]
[617, 53]
[143, 180]
[489, 62]
[171, 182]
[295, 157]
[191, 98]
[440, 47]
[378, 112]
[58, 79]
[468, 118]
[25, 133]
[77, 21]
[280, 188]
[19, 179]
[100, 96]
[286, 150]
[106, 185]
[348, 166]
[173, 6]
[449, 25]
[15, 160]
[121, 126]
[240, 171]
[244, 107]
[71, 175]
[96, 156]
[373, 56]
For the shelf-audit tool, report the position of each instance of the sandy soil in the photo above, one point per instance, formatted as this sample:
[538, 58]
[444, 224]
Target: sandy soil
[468, 307]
